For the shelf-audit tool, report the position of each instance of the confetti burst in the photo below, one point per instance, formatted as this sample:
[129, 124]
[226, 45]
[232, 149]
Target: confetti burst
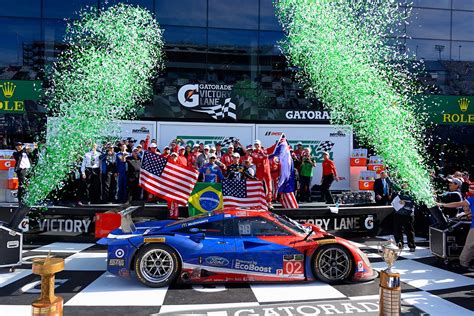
[103, 76]
[342, 50]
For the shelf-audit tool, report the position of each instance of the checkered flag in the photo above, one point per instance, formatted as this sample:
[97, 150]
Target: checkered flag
[218, 112]
[227, 141]
[325, 146]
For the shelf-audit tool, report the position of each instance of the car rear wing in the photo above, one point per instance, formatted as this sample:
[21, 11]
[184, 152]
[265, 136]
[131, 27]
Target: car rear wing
[126, 222]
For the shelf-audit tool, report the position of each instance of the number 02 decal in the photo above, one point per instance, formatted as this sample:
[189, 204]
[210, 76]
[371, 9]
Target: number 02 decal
[292, 267]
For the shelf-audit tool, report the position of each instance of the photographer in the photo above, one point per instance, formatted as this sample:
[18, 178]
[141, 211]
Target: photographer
[306, 174]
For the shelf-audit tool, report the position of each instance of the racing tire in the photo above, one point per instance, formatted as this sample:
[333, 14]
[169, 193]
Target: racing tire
[332, 264]
[157, 265]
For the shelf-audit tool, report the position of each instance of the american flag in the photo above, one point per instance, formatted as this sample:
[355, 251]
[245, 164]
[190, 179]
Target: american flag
[243, 193]
[288, 200]
[167, 179]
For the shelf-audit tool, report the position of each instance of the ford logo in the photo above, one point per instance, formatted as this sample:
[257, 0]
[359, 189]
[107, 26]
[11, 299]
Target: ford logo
[217, 261]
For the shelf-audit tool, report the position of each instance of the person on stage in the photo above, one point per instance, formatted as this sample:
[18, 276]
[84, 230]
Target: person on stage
[329, 175]
[260, 159]
[24, 160]
[383, 189]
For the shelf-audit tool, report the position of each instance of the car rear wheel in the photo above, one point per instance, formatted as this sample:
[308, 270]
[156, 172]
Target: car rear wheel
[157, 265]
[332, 263]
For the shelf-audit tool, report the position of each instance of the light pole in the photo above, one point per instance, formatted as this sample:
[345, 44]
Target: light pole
[459, 56]
[439, 48]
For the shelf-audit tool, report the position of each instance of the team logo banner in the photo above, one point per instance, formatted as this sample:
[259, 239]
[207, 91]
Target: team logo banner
[206, 197]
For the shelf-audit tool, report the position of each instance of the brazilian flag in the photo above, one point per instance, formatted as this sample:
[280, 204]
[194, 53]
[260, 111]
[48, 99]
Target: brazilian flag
[206, 197]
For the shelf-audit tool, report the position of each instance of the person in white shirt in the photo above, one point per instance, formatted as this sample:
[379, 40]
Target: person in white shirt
[90, 171]
[24, 160]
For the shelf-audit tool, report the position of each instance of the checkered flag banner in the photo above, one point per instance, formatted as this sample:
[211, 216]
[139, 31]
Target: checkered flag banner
[219, 112]
[227, 141]
[325, 146]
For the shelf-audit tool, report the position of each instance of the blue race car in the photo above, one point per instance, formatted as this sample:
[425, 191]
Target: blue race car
[232, 245]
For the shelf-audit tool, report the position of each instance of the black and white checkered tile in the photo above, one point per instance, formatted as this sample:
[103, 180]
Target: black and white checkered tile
[427, 288]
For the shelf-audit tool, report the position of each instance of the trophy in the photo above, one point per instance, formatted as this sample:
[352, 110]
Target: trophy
[390, 253]
[390, 291]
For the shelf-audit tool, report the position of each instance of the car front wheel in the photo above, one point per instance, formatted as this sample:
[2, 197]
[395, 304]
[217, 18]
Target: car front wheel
[157, 265]
[332, 263]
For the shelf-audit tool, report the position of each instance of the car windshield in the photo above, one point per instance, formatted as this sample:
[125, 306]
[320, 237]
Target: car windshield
[190, 219]
[292, 224]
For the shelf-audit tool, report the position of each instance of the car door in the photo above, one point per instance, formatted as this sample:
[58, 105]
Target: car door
[217, 249]
[264, 250]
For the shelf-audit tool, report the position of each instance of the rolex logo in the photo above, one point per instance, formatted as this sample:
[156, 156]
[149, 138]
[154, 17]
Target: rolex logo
[463, 104]
[8, 89]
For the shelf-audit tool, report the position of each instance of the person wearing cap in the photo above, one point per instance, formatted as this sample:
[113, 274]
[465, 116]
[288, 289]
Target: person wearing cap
[328, 176]
[219, 151]
[210, 172]
[192, 157]
[260, 159]
[173, 157]
[466, 184]
[134, 164]
[24, 161]
[235, 169]
[383, 189]
[249, 169]
[452, 195]
[226, 158]
[298, 152]
[404, 218]
[153, 148]
[203, 158]
[109, 174]
[166, 152]
[90, 171]
[467, 253]
[181, 157]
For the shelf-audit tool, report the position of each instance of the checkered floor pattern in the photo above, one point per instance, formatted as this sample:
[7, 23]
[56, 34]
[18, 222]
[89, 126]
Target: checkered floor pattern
[427, 287]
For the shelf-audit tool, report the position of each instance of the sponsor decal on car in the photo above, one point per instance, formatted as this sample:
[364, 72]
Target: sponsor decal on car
[217, 261]
[119, 253]
[251, 266]
[117, 262]
[360, 266]
[154, 239]
[293, 265]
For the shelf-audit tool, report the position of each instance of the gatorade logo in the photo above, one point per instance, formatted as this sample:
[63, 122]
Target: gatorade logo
[366, 184]
[356, 160]
[369, 222]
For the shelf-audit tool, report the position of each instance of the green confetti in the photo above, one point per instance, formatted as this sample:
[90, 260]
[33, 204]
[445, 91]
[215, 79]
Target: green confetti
[104, 74]
[342, 50]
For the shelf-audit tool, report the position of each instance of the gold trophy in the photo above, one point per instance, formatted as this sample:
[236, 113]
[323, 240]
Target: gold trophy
[48, 303]
[390, 291]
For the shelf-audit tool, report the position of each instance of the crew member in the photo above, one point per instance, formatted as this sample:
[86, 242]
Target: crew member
[24, 160]
[211, 172]
[260, 159]
[329, 175]
[383, 189]
[90, 170]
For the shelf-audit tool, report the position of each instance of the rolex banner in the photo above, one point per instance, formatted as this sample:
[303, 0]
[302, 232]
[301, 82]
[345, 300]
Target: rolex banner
[206, 197]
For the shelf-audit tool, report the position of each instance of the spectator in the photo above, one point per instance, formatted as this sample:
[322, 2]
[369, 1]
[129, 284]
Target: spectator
[467, 253]
[108, 174]
[121, 160]
[452, 195]
[306, 174]
[24, 160]
[250, 170]
[140, 151]
[238, 148]
[210, 172]
[203, 158]
[298, 152]
[173, 157]
[403, 220]
[166, 152]
[181, 157]
[154, 149]
[260, 159]
[235, 169]
[227, 157]
[275, 173]
[192, 157]
[328, 176]
[90, 171]
[383, 189]
[465, 184]
[187, 154]
[134, 164]
[219, 151]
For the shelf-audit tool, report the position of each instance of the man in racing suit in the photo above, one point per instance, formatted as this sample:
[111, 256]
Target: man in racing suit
[260, 159]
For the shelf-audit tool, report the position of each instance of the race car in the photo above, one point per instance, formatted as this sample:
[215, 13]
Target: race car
[232, 245]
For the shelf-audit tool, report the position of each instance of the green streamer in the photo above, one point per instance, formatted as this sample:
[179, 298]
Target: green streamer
[104, 74]
[342, 50]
